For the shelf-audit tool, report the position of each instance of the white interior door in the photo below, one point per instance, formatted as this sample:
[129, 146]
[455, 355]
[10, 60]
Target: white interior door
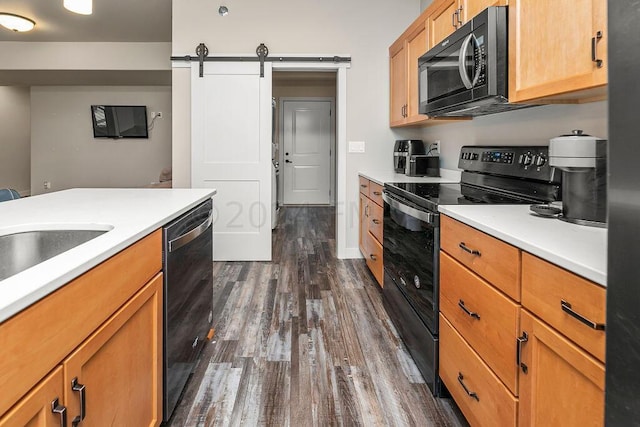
[307, 136]
[231, 152]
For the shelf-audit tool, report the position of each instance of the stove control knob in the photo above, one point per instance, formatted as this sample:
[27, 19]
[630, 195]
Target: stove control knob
[540, 160]
[527, 159]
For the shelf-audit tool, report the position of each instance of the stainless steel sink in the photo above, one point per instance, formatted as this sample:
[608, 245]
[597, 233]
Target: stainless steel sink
[19, 251]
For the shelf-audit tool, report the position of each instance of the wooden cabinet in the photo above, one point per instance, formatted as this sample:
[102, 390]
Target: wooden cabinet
[398, 83]
[106, 329]
[562, 385]
[557, 50]
[446, 16]
[541, 360]
[371, 226]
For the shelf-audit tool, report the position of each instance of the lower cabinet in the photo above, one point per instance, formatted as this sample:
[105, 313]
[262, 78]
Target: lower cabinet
[560, 384]
[113, 374]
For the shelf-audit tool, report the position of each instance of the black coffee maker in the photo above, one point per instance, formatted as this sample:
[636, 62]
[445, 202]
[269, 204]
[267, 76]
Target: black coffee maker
[402, 152]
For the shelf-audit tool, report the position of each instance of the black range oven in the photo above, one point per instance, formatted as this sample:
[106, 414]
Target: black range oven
[411, 236]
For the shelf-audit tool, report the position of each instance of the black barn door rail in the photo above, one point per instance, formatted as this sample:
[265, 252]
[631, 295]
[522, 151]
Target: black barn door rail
[262, 52]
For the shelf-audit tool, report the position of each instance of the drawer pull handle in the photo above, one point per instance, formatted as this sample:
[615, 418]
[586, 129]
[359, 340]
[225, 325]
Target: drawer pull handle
[469, 312]
[377, 193]
[57, 408]
[594, 49]
[521, 340]
[80, 388]
[466, 249]
[376, 221]
[566, 307]
[471, 394]
[373, 257]
[363, 185]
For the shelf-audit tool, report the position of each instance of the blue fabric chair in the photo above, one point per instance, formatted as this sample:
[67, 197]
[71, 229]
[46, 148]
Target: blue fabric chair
[8, 194]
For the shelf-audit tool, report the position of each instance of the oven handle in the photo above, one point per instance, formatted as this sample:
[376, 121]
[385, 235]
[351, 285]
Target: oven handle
[427, 217]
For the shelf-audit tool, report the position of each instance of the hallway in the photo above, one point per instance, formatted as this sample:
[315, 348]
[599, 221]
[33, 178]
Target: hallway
[304, 340]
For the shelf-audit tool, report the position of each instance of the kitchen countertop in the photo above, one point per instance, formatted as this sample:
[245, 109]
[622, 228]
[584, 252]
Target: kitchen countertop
[577, 248]
[133, 214]
[447, 176]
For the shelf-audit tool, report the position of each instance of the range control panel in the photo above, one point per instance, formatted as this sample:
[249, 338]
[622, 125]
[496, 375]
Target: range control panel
[515, 161]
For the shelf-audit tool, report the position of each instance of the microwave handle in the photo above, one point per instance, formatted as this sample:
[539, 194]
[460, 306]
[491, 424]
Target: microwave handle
[468, 83]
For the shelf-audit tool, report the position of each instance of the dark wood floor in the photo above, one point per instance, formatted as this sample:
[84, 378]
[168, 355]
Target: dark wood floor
[304, 340]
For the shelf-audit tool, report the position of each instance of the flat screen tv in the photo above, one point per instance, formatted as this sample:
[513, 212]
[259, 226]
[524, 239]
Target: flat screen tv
[119, 121]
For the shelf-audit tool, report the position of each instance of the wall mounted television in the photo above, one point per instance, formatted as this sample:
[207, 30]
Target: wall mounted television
[119, 121]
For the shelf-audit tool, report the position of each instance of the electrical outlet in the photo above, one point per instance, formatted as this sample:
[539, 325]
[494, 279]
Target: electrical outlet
[159, 114]
[435, 147]
[47, 185]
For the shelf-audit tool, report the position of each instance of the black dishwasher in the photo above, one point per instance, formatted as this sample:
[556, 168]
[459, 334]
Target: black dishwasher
[188, 297]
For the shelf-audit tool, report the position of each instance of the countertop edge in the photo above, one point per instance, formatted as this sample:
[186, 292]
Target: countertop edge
[447, 176]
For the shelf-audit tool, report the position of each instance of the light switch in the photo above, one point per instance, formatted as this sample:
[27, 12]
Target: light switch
[356, 146]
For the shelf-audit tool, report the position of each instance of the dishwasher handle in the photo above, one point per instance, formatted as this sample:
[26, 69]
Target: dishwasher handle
[187, 237]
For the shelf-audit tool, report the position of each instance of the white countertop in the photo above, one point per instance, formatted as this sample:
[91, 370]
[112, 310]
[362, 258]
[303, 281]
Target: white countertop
[447, 176]
[577, 248]
[133, 213]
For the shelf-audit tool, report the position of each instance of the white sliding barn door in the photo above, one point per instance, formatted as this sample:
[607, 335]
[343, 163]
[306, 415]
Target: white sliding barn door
[231, 152]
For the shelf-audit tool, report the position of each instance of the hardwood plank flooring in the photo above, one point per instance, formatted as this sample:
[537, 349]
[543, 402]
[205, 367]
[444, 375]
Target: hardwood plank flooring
[305, 341]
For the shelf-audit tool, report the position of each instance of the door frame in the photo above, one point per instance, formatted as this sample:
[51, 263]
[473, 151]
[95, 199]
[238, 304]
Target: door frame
[332, 146]
[342, 210]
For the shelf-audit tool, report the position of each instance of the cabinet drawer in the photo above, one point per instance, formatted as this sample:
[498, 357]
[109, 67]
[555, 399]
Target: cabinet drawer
[545, 287]
[375, 193]
[364, 186]
[486, 401]
[373, 256]
[41, 335]
[492, 259]
[376, 214]
[490, 323]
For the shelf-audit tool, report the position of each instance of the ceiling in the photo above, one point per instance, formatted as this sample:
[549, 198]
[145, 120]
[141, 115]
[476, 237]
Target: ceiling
[111, 21]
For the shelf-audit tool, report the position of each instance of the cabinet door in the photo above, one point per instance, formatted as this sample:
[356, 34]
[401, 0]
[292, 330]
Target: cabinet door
[416, 47]
[120, 366]
[398, 82]
[550, 49]
[470, 8]
[562, 385]
[36, 409]
[443, 21]
[363, 223]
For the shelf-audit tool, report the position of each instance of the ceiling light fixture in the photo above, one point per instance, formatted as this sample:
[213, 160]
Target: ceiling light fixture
[223, 11]
[82, 7]
[16, 23]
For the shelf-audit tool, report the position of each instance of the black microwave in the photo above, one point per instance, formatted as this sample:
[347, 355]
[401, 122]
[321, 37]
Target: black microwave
[467, 73]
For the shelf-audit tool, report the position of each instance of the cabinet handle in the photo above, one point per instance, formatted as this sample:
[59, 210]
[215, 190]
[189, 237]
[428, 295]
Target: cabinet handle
[459, 13]
[454, 21]
[466, 249]
[521, 340]
[80, 388]
[366, 211]
[469, 312]
[566, 307]
[57, 408]
[363, 185]
[471, 394]
[376, 221]
[594, 49]
[377, 193]
[373, 257]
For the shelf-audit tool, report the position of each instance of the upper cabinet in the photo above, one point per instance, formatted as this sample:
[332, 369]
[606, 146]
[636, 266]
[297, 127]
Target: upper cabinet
[446, 16]
[557, 50]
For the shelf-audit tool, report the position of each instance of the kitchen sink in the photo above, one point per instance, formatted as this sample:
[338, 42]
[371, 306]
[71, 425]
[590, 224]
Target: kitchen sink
[22, 250]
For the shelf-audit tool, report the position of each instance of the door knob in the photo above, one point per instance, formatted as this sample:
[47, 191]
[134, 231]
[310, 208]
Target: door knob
[288, 161]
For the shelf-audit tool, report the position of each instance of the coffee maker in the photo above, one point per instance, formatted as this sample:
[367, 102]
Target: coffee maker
[583, 161]
[402, 152]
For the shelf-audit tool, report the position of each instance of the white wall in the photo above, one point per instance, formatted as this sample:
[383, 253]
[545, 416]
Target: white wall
[15, 137]
[531, 126]
[64, 151]
[362, 28]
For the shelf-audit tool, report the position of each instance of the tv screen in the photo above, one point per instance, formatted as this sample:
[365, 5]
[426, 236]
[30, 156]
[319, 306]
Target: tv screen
[119, 121]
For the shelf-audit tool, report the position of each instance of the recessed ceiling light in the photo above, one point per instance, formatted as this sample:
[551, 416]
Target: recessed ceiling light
[82, 7]
[223, 11]
[16, 23]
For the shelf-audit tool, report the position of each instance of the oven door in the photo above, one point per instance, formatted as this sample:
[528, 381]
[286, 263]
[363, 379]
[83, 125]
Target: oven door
[411, 246]
[454, 71]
